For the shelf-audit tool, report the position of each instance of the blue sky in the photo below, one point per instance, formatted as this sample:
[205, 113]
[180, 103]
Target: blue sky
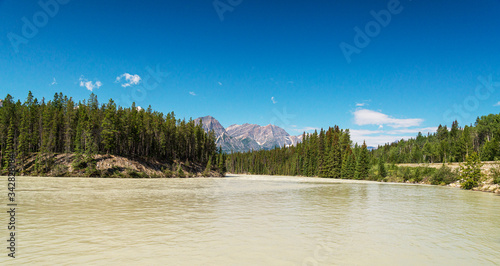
[263, 62]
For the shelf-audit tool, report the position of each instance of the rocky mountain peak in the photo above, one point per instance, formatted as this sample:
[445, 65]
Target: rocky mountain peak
[247, 136]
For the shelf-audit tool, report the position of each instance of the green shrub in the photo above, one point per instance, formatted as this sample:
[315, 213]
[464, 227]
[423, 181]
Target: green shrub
[495, 173]
[168, 173]
[180, 172]
[60, 170]
[444, 176]
[468, 184]
[79, 162]
[135, 174]
[91, 170]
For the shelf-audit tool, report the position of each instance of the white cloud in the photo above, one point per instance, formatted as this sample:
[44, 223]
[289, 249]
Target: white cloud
[274, 101]
[381, 137]
[54, 82]
[130, 79]
[364, 117]
[220, 83]
[497, 104]
[360, 104]
[88, 84]
[192, 93]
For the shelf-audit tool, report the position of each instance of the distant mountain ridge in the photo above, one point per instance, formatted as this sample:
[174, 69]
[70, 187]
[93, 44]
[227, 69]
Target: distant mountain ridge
[246, 137]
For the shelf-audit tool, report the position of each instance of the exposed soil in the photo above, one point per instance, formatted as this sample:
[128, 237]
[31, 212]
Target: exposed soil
[109, 166]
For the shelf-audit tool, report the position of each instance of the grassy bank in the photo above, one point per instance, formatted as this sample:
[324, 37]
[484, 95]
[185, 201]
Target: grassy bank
[440, 174]
[108, 166]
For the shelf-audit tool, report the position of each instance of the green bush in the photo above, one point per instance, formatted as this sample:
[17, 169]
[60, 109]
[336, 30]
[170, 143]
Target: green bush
[168, 173]
[495, 173]
[180, 172]
[135, 174]
[468, 184]
[91, 170]
[444, 176]
[79, 162]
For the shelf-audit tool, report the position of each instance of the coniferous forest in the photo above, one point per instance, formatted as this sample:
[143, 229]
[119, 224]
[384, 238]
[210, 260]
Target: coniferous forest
[331, 153]
[42, 128]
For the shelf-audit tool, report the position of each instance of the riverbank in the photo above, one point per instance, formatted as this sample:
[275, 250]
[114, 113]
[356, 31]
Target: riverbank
[429, 174]
[486, 184]
[108, 166]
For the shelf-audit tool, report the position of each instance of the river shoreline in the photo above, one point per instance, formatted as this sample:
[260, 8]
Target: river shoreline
[483, 187]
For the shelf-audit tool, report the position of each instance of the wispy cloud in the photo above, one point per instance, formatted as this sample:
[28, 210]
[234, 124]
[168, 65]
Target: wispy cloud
[89, 84]
[274, 100]
[360, 104]
[129, 79]
[220, 83]
[54, 82]
[381, 137]
[364, 117]
[192, 93]
[399, 128]
[497, 104]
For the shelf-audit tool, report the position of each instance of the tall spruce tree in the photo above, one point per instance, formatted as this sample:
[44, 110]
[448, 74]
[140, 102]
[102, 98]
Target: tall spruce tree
[362, 163]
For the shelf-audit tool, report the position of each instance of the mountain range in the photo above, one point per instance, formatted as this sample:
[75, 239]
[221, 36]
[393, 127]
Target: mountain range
[247, 137]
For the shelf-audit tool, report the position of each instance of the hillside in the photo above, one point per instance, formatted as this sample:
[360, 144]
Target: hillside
[110, 166]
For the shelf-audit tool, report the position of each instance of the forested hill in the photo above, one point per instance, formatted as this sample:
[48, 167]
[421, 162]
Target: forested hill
[447, 145]
[88, 128]
[330, 153]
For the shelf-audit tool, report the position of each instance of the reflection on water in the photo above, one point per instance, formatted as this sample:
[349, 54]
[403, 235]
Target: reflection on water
[251, 220]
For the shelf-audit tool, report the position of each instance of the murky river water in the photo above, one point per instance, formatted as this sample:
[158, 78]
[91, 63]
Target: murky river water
[249, 220]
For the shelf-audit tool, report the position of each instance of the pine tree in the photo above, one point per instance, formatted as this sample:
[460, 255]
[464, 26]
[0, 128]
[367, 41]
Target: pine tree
[208, 168]
[471, 171]
[381, 168]
[9, 149]
[24, 135]
[345, 163]
[352, 166]
[336, 157]
[108, 133]
[362, 163]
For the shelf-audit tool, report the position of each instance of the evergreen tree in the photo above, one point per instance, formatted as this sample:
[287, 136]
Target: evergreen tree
[362, 163]
[471, 171]
[381, 168]
[208, 168]
[336, 157]
[9, 150]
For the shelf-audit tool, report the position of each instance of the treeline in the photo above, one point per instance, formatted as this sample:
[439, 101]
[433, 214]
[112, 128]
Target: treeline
[447, 145]
[330, 153]
[326, 154]
[87, 128]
